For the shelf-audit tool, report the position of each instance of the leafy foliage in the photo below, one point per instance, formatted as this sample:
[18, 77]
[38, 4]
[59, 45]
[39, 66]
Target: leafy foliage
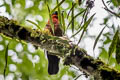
[30, 64]
[98, 38]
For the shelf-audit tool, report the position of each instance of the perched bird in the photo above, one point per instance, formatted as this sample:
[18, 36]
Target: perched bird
[53, 61]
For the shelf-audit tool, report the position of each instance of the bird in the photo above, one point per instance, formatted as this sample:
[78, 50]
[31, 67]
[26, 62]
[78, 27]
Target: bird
[53, 60]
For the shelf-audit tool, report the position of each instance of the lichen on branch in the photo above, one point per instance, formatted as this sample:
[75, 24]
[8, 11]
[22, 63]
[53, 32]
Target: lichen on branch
[72, 54]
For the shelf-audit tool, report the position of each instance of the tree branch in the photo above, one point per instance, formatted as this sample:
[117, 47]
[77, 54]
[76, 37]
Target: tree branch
[107, 9]
[72, 54]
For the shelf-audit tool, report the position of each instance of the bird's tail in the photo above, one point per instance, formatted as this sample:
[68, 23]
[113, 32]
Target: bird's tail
[53, 64]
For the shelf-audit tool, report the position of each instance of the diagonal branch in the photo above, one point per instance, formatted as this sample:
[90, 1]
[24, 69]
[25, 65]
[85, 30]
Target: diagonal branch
[72, 54]
[107, 9]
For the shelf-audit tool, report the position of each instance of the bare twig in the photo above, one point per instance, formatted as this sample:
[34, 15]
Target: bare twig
[107, 9]
[78, 76]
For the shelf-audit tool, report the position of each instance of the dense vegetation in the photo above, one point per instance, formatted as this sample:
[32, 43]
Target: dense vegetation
[22, 61]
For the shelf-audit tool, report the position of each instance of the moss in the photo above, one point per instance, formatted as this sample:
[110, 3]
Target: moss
[11, 29]
[34, 34]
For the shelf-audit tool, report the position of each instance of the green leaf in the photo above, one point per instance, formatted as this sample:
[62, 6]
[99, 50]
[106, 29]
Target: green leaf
[34, 24]
[85, 27]
[6, 60]
[77, 32]
[108, 40]
[81, 36]
[63, 23]
[106, 20]
[57, 6]
[72, 15]
[1, 5]
[98, 38]
[75, 17]
[22, 2]
[118, 2]
[118, 67]
[118, 49]
[71, 9]
[88, 22]
[13, 2]
[115, 2]
[103, 55]
[113, 44]
[113, 27]
[59, 14]
[8, 9]
[52, 25]
[112, 61]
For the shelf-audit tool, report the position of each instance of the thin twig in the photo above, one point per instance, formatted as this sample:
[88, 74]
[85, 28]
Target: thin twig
[112, 12]
[78, 76]
[71, 10]
[107, 9]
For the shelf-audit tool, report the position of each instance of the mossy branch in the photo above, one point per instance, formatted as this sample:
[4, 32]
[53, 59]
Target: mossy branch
[72, 54]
